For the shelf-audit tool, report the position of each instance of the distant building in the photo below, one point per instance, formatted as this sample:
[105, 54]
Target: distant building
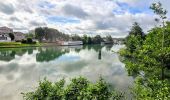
[71, 43]
[4, 34]
[19, 36]
[118, 40]
[4, 37]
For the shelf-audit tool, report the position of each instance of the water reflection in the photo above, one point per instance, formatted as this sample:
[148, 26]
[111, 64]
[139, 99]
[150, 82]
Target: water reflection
[23, 67]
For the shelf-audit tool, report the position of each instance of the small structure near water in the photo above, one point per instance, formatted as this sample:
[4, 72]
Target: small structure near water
[71, 43]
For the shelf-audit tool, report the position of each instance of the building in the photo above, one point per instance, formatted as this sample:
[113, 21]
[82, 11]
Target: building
[4, 31]
[118, 40]
[4, 37]
[71, 43]
[19, 36]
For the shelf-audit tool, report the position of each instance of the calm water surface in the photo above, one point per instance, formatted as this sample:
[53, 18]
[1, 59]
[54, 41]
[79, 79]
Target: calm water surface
[22, 68]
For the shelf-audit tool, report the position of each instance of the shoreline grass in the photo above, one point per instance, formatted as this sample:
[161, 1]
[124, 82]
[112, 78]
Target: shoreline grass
[18, 44]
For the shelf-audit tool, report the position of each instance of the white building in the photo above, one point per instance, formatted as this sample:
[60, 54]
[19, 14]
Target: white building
[4, 31]
[4, 38]
[71, 43]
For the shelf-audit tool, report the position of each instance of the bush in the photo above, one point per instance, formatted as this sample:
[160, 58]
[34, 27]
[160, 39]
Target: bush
[79, 89]
[18, 41]
[23, 41]
[29, 40]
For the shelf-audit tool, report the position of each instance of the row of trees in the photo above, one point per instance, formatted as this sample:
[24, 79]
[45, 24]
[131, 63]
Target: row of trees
[147, 59]
[52, 35]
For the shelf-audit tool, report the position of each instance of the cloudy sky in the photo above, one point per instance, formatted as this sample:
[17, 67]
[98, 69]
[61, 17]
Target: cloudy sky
[103, 17]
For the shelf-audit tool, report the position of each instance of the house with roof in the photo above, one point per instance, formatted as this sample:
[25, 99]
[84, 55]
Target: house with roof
[4, 34]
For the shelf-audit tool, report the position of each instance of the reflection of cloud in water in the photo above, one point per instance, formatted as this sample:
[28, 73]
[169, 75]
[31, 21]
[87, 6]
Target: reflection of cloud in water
[23, 72]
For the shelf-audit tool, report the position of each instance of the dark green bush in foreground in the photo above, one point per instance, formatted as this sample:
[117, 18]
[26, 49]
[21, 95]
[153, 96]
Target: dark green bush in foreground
[79, 89]
[28, 41]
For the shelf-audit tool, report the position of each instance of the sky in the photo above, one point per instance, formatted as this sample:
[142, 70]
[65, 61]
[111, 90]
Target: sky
[91, 17]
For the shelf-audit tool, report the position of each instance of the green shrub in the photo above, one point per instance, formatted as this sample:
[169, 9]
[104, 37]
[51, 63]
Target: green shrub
[79, 89]
[29, 40]
[23, 41]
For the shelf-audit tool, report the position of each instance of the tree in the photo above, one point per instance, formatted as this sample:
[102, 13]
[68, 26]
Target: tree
[109, 38]
[136, 30]
[30, 35]
[157, 8]
[135, 38]
[39, 33]
[151, 58]
[11, 35]
[84, 39]
[97, 39]
[89, 40]
[76, 37]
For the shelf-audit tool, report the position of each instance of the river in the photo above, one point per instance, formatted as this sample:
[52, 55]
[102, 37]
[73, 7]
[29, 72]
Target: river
[22, 68]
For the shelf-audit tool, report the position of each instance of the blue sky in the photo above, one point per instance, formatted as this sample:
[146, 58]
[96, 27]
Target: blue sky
[103, 17]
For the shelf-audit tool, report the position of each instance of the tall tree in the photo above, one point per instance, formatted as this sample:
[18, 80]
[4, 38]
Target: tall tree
[158, 9]
[39, 33]
[11, 35]
[109, 38]
[97, 39]
[136, 30]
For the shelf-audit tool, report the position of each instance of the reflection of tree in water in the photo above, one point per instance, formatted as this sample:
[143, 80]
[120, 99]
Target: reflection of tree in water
[108, 47]
[8, 54]
[50, 53]
[97, 48]
[99, 55]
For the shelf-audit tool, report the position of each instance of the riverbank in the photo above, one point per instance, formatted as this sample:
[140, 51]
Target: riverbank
[18, 44]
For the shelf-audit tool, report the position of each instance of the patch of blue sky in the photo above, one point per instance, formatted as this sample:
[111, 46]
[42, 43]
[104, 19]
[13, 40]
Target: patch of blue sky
[46, 4]
[124, 7]
[62, 20]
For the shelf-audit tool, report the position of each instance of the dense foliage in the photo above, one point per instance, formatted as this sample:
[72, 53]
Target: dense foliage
[147, 60]
[28, 41]
[52, 35]
[11, 35]
[78, 89]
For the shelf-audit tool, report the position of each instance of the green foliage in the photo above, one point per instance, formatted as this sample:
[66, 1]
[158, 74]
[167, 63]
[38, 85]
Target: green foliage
[11, 35]
[23, 41]
[39, 33]
[97, 39]
[136, 30]
[86, 39]
[157, 8]
[29, 40]
[148, 63]
[76, 37]
[109, 38]
[79, 89]
[30, 35]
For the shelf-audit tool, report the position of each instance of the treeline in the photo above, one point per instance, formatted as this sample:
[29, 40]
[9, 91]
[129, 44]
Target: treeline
[147, 59]
[92, 40]
[52, 35]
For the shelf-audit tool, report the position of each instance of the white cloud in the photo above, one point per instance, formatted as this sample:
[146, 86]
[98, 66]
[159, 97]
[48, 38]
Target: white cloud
[94, 16]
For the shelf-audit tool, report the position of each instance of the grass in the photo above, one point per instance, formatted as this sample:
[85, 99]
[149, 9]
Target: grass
[17, 44]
